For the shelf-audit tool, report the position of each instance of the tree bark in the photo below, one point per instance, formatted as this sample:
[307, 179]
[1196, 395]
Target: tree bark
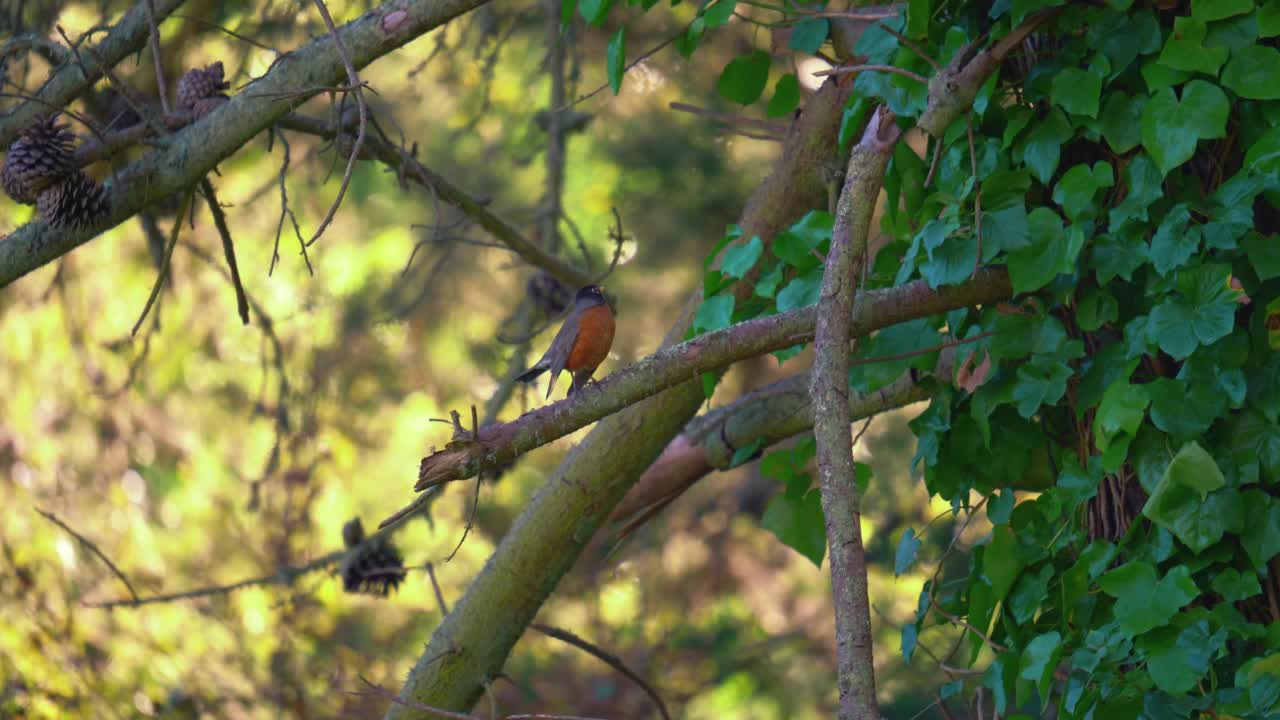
[191, 153]
[829, 388]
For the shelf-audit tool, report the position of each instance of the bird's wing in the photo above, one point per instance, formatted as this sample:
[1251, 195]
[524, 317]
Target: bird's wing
[558, 354]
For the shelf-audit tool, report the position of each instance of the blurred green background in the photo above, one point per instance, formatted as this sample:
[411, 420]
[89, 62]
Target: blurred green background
[203, 452]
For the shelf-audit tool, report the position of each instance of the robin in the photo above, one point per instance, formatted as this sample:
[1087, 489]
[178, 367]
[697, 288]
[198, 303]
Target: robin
[582, 343]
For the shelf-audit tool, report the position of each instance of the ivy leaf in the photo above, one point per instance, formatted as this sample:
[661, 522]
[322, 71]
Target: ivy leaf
[1043, 145]
[1029, 593]
[1203, 313]
[1269, 19]
[1178, 503]
[1170, 665]
[1121, 120]
[809, 34]
[1261, 536]
[687, 43]
[1122, 408]
[744, 78]
[1264, 155]
[1184, 414]
[905, 557]
[786, 96]
[1174, 242]
[1004, 229]
[767, 285]
[1142, 603]
[952, 262]
[910, 637]
[799, 524]
[1000, 563]
[1234, 585]
[1172, 127]
[1185, 49]
[795, 246]
[1254, 73]
[1075, 191]
[616, 56]
[715, 313]
[1117, 256]
[1043, 381]
[595, 11]
[1077, 91]
[718, 14]
[1039, 658]
[1210, 10]
[1264, 254]
[802, 291]
[1145, 185]
[739, 260]
[902, 339]
[1096, 308]
[1052, 252]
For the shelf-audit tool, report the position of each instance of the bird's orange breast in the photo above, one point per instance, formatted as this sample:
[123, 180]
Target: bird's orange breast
[595, 337]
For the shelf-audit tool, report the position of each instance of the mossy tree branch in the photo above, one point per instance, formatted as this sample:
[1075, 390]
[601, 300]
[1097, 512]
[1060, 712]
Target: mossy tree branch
[497, 445]
[191, 153]
[552, 531]
[68, 80]
[829, 388]
[763, 417]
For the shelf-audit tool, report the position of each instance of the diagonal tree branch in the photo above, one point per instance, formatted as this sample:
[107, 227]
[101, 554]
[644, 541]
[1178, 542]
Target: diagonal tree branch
[763, 417]
[829, 388]
[467, 456]
[195, 150]
[553, 529]
[68, 81]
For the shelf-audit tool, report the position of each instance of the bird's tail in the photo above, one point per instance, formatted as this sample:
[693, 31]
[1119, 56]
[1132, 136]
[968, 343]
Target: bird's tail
[532, 373]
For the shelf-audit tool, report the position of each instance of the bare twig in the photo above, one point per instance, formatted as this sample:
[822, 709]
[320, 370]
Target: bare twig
[770, 127]
[618, 239]
[921, 351]
[227, 31]
[435, 585]
[403, 162]
[161, 87]
[286, 210]
[639, 59]
[906, 42]
[228, 248]
[933, 165]
[607, 658]
[977, 190]
[168, 254]
[855, 69]
[285, 575]
[357, 88]
[92, 548]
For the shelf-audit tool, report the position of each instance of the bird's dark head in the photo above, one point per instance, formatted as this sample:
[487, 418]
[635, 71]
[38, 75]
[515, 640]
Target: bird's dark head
[589, 296]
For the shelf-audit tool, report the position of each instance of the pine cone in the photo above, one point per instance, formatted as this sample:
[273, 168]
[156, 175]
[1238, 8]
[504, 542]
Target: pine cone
[352, 533]
[76, 202]
[374, 568]
[201, 83]
[39, 157]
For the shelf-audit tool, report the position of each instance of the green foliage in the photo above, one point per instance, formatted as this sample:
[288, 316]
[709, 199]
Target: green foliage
[1128, 181]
